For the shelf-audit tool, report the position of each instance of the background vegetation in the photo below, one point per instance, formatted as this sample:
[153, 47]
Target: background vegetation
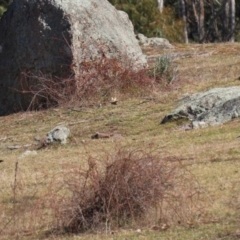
[204, 21]
[181, 21]
[147, 19]
[3, 6]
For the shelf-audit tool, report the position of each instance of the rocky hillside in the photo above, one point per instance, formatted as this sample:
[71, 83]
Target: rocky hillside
[34, 174]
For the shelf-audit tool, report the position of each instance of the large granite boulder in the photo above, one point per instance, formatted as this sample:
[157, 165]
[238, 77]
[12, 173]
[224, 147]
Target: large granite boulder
[53, 38]
[216, 106]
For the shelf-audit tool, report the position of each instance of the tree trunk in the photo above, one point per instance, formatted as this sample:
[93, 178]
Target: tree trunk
[232, 20]
[215, 35]
[160, 5]
[182, 2]
[201, 21]
[198, 13]
[216, 15]
[225, 23]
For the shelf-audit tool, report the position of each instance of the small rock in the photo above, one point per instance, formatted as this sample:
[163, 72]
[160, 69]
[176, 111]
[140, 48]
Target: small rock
[186, 127]
[37, 138]
[164, 226]
[154, 42]
[3, 138]
[28, 153]
[199, 124]
[114, 101]
[58, 134]
[161, 227]
[13, 147]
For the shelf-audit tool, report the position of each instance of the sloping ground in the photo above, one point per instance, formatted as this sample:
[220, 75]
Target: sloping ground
[211, 154]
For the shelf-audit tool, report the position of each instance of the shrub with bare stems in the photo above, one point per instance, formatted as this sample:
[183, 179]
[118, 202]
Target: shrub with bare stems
[97, 81]
[125, 188]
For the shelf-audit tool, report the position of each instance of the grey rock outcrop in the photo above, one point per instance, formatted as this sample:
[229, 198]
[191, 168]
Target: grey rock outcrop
[213, 107]
[53, 38]
[154, 42]
[58, 134]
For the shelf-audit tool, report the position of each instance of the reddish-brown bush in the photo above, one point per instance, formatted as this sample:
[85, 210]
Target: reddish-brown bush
[123, 188]
[97, 82]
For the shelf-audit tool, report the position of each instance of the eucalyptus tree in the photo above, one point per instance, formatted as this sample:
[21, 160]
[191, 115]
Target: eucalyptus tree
[160, 5]
[208, 20]
[233, 20]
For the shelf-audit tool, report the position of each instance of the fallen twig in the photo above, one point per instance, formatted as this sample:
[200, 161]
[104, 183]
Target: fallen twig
[13, 147]
[98, 135]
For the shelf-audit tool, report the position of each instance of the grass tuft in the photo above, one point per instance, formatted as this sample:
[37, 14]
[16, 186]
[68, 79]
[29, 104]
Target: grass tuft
[164, 70]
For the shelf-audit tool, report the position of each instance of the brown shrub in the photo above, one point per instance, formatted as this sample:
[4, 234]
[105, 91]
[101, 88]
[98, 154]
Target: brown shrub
[98, 81]
[123, 189]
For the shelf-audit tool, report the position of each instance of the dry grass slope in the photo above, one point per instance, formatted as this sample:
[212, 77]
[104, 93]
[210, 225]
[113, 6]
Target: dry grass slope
[32, 188]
